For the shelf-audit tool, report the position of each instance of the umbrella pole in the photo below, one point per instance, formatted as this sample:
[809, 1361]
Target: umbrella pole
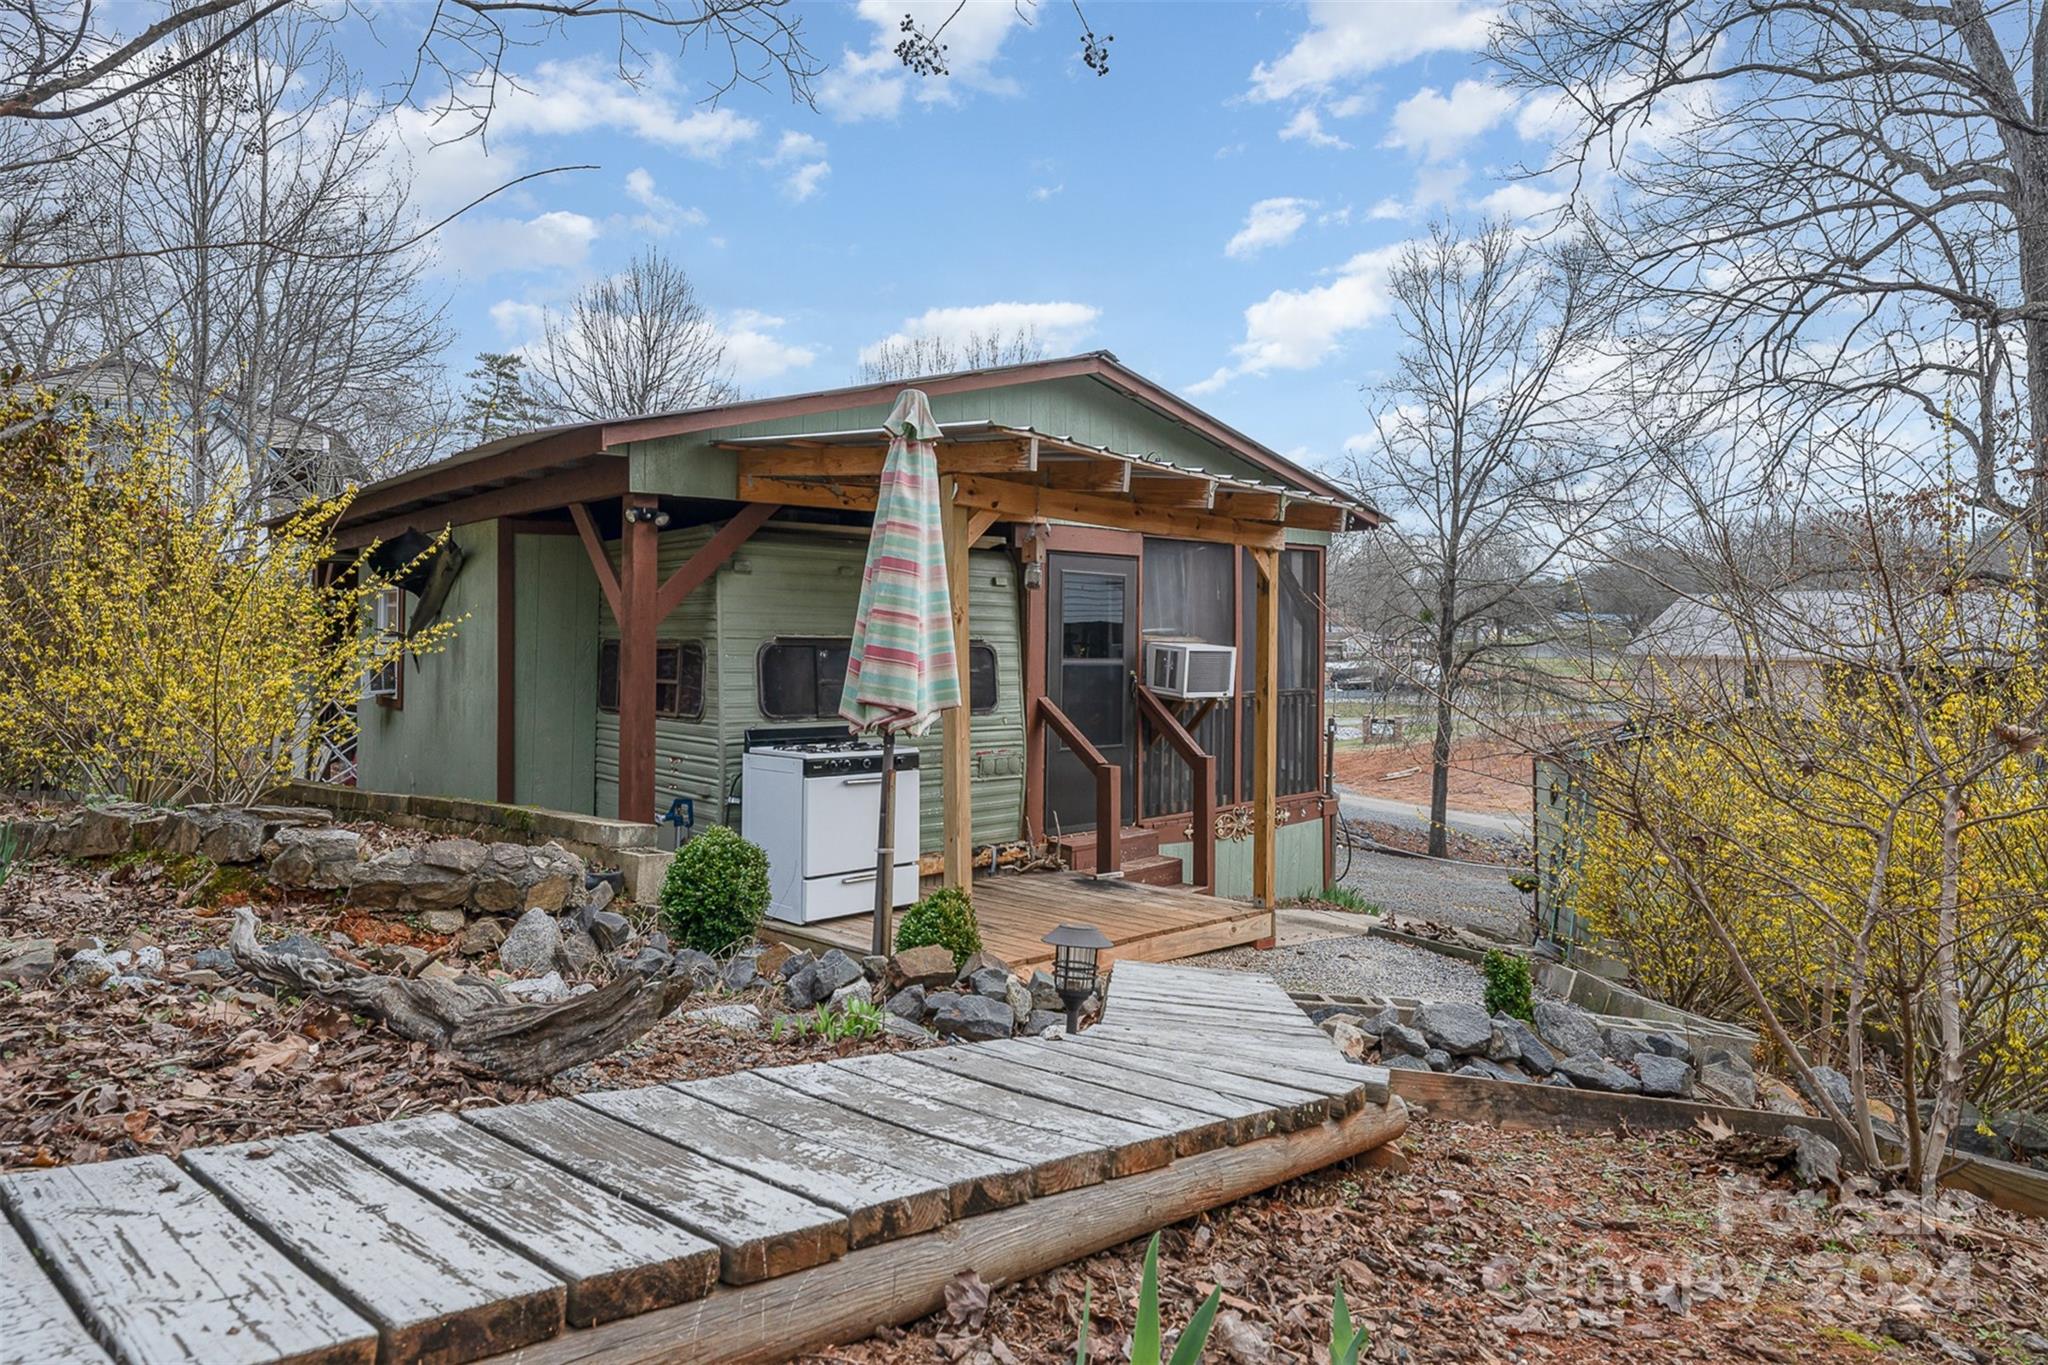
[885, 851]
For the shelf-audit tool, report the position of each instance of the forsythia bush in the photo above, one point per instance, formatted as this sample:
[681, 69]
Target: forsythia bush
[151, 648]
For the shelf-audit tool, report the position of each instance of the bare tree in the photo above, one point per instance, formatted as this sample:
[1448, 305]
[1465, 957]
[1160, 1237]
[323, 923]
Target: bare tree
[1827, 210]
[907, 357]
[1487, 456]
[637, 342]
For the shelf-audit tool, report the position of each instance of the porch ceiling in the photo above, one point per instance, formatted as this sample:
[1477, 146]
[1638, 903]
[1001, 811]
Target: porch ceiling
[1019, 473]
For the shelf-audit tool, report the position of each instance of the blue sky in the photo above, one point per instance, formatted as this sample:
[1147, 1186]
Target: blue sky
[1219, 210]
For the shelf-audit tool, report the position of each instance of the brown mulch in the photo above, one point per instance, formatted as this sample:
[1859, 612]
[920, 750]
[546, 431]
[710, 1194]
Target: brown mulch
[1487, 775]
[1503, 1246]
[88, 1074]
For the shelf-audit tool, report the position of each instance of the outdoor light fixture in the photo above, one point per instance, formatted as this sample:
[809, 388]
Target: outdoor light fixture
[1074, 948]
[653, 514]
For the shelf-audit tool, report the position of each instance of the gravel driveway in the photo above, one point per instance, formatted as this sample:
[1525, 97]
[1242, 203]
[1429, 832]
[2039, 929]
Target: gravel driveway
[1444, 892]
[1355, 966]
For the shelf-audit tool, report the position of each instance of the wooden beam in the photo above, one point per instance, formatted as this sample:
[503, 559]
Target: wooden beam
[957, 778]
[1250, 505]
[1266, 731]
[1152, 488]
[1087, 475]
[696, 570]
[978, 524]
[1317, 516]
[442, 479]
[1008, 456]
[508, 664]
[600, 562]
[604, 479]
[1028, 502]
[637, 623]
[797, 493]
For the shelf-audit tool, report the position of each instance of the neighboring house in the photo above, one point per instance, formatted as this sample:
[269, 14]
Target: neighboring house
[715, 556]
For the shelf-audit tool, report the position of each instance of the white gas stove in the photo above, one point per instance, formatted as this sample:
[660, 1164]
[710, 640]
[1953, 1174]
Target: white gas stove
[811, 797]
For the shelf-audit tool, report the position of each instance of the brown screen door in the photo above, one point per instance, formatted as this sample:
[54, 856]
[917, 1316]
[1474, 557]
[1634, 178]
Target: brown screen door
[1092, 650]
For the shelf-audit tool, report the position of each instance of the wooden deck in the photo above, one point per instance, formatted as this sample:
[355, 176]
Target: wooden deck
[1145, 923]
[743, 1217]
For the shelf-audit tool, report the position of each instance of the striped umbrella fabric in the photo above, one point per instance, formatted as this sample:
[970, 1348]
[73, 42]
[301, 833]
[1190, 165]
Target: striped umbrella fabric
[902, 671]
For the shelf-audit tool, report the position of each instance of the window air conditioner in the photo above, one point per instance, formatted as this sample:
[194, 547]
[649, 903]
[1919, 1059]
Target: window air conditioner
[1189, 670]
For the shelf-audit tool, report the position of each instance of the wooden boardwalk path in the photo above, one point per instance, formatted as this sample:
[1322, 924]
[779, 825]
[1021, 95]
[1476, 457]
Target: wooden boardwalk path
[744, 1217]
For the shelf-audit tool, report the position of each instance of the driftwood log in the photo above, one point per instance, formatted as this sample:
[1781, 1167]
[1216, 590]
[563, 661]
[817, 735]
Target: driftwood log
[472, 1019]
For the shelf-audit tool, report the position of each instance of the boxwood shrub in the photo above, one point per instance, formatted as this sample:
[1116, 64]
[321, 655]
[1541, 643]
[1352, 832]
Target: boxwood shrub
[716, 892]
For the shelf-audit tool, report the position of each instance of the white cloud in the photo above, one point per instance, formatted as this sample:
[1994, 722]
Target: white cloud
[1307, 126]
[804, 179]
[447, 171]
[1438, 126]
[519, 319]
[578, 95]
[481, 247]
[872, 84]
[1436, 187]
[1061, 326]
[753, 350]
[795, 146]
[662, 213]
[1519, 201]
[1298, 329]
[1041, 193]
[803, 182]
[1346, 40]
[1269, 223]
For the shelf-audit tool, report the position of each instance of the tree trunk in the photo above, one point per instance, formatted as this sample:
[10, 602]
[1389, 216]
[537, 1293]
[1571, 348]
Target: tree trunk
[1440, 751]
[1948, 1094]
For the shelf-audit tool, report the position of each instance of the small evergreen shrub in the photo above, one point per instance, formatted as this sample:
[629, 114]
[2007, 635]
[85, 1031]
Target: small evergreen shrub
[1507, 984]
[716, 892]
[944, 917]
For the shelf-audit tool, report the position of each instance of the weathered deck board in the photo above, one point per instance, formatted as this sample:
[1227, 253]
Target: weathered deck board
[1057, 1161]
[761, 1230]
[171, 1274]
[975, 1181]
[1350, 1088]
[1192, 1131]
[437, 1288]
[1246, 1119]
[616, 1258]
[1293, 1104]
[38, 1325]
[1130, 1147]
[880, 1202]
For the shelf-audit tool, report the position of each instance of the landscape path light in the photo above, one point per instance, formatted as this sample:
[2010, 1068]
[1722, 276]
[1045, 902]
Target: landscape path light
[1075, 948]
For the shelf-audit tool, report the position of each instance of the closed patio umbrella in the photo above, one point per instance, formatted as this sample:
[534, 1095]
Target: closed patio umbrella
[902, 671]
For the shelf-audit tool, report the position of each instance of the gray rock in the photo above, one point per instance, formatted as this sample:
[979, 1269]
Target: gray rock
[516, 877]
[853, 992]
[149, 960]
[1459, 1029]
[1399, 1038]
[907, 1003]
[443, 921]
[578, 953]
[738, 974]
[398, 880]
[935, 1001]
[609, 930]
[1728, 1085]
[1590, 1071]
[216, 960]
[90, 967]
[396, 957]
[542, 990]
[1663, 1076]
[1381, 1022]
[531, 946]
[480, 936]
[700, 967]
[2025, 1132]
[735, 1018]
[1530, 1052]
[647, 962]
[658, 941]
[1620, 1044]
[874, 966]
[1438, 1059]
[1836, 1085]
[1669, 1045]
[797, 961]
[1815, 1160]
[598, 897]
[979, 962]
[1566, 1029]
[993, 982]
[28, 961]
[1728, 1057]
[1479, 1066]
[1019, 1000]
[456, 855]
[976, 1018]
[1558, 1080]
[1401, 1061]
[1350, 1040]
[802, 990]
[897, 1027]
[302, 945]
[313, 858]
[928, 966]
[1041, 1022]
[223, 833]
[835, 969]
[96, 831]
[1045, 994]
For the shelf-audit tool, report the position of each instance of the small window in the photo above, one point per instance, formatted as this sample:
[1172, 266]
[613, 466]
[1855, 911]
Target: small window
[678, 679]
[982, 692]
[386, 682]
[802, 679]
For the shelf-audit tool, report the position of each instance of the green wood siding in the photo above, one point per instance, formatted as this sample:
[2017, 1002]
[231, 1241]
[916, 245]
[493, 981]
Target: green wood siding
[445, 739]
[787, 583]
[1300, 853]
[555, 682]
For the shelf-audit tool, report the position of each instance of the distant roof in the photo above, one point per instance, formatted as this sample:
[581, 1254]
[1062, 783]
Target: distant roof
[1827, 623]
[1101, 366]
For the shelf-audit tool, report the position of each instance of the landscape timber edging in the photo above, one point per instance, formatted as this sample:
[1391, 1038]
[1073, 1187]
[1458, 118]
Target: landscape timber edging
[901, 1281]
[590, 837]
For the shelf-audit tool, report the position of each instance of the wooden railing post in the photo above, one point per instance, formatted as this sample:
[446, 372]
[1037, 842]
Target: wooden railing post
[1202, 773]
[1109, 796]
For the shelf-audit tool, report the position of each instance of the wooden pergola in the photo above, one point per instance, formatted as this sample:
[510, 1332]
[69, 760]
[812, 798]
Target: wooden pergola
[990, 473]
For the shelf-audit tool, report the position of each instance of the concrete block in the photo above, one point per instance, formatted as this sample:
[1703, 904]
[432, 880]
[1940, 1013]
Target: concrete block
[646, 869]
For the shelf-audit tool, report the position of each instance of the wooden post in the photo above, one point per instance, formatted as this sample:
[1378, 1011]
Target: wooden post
[639, 543]
[1266, 731]
[957, 784]
[508, 664]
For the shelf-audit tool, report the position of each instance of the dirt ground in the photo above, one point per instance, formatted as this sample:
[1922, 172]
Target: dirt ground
[1487, 775]
[1499, 1246]
[89, 1074]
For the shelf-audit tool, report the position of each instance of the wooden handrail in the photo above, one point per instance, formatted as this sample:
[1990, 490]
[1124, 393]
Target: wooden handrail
[1109, 804]
[1202, 768]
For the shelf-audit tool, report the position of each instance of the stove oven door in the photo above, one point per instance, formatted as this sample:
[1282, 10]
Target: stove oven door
[842, 812]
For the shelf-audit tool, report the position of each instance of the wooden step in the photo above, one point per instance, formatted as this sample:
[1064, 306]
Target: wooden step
[1153, 870]
[1078, 850]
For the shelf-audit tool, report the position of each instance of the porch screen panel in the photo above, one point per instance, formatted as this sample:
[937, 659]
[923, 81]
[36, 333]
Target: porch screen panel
[1300, 623]
[1187, 595]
